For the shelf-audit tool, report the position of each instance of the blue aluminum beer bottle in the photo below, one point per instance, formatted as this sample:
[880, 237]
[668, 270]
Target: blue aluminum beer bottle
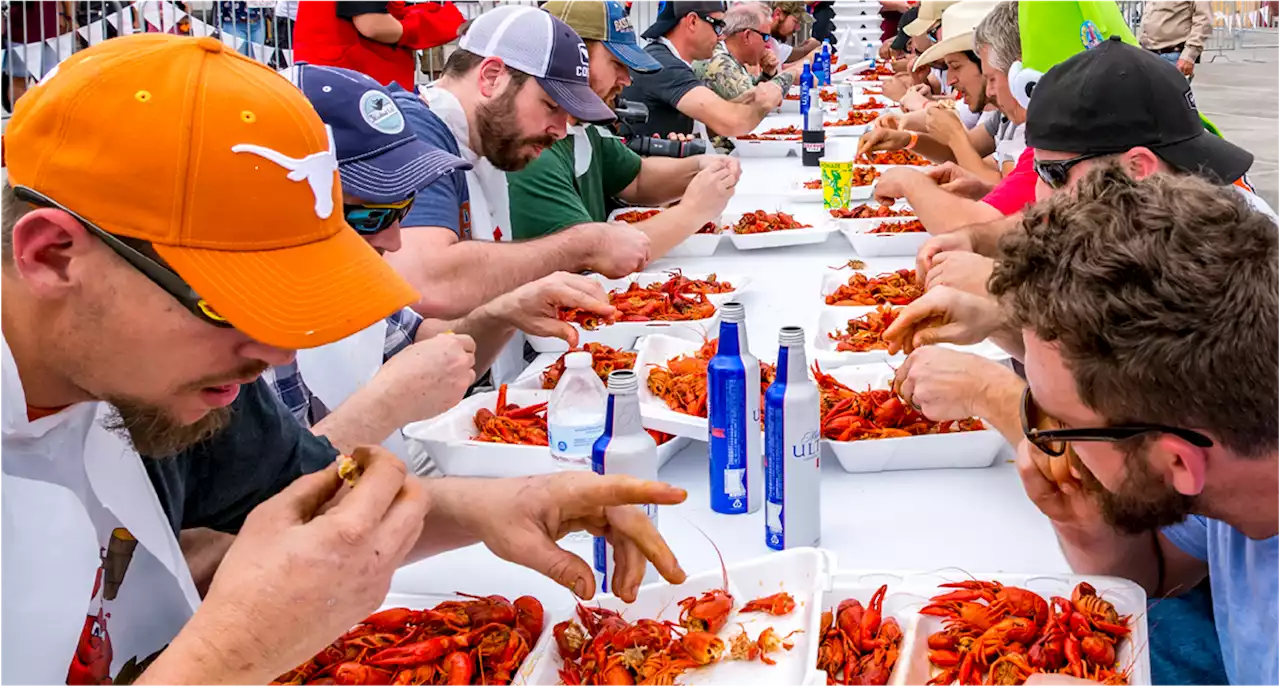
[826, 63]
[733, 418]
[792, 441]
[624, 448]
[806, 84]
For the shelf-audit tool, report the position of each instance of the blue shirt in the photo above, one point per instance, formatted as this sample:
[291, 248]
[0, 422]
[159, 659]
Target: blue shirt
[446, 202]
[1242, 580]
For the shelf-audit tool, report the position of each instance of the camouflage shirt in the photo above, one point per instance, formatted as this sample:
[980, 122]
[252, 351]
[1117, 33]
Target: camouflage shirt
[725, 75]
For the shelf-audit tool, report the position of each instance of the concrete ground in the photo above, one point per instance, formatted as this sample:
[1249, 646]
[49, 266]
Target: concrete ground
[1238, 92]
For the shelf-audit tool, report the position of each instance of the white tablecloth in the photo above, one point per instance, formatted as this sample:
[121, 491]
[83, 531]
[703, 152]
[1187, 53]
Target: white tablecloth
[979, 520]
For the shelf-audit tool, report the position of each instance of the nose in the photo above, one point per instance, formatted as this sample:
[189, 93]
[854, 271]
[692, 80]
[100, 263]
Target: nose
[559, 126]
[387, 240]
[255, 350]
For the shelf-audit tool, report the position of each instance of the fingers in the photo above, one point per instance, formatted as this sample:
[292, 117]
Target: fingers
[628, 567]
[568, 296]
[630, 523]
[913, 314]
[300, 500]
[559, 565]
[468, 343]
[1033, 467]
[591, 491]
[381, 481]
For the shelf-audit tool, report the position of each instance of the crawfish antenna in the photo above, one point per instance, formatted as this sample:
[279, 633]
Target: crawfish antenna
[723, 569]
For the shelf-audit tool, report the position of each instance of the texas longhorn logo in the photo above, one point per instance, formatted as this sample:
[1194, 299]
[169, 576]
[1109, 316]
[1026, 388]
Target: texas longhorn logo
[317, 169]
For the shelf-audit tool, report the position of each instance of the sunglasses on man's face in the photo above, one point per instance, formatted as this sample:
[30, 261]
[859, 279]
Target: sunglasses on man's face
[1054, 441]
[1056, 173]
[370, 219]
[717, 25]
[159, 274]
[763, 36]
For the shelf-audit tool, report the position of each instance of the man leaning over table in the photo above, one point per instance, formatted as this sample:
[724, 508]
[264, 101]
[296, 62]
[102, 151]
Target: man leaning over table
[785, 18]
[570, 183]
[506, 95]
[686, 31]
[744, 44]
[136, 322]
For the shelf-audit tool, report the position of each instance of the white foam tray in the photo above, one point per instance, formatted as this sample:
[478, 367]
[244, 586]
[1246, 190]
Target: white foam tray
[765, 148]
[447, 438]
[834, 279]
[819, 231]
[655, 351]
[697, 245]
[798, 193]
[910, 591]
[960, 450]
[823, 350]
[867, 244]
[805, 573]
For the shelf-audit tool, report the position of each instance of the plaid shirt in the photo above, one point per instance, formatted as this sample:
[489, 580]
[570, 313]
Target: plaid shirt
[286, 379]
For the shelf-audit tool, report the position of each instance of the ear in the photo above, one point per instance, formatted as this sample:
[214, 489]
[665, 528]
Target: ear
[1140, 162]
[45, 242]
[1186, 464]
[1022, 81]
[491, 76]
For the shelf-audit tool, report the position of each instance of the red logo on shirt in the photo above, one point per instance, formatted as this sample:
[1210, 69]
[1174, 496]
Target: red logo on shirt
[464, 221]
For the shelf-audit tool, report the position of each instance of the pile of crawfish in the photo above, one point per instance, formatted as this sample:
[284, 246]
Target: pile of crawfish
[864, 176]
[601, 647]
[813, 185]
[1013, 633]
[871, 104]
[839, 69]
[510, 423]
[855, 645]
[849, 415]
[855, 118]
[884, 157]
[477, 641]
[878, 70]
[827, 96]
[633, 216]
[877, 211]
[784, 133]
[679, 298]
[913, 226]
[604, 360]
[682, 383]
[872, 91]
[764, 222]
[892, 288]
[866, 332]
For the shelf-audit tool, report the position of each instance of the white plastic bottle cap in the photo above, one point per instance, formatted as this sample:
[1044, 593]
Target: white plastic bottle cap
[578, 360]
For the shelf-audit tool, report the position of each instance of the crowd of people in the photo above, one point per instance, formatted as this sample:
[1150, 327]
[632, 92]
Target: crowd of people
[338, 254]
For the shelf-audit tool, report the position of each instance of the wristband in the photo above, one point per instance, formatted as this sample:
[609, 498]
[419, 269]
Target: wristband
[915, 138]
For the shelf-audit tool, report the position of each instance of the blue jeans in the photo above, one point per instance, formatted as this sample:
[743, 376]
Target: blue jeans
[1170, 57]
[250, 32]
[1183, 642]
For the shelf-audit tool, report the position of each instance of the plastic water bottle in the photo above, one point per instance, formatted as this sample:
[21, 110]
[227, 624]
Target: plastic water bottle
[818, 70]
[806, 85]
[733, 418]
[826, 63]
[575, 417]
[869, 53]
[624, 448]
[792, 442]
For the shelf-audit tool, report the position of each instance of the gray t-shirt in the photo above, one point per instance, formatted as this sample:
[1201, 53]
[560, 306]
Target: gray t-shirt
[1010, 138]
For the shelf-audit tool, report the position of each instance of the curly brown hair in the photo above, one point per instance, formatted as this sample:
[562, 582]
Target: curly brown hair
[1161, 295]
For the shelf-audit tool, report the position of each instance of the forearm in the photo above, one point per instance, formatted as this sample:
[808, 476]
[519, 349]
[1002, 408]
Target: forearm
[490, 332]
[204, 550]
[364, 419]
[662, 180]
[449, 281]
[941, 211]
[999, 402]
[193, 657]
[985, 236]
[670, 228]
[1010, 340]
[740, 116]
[447, 526]
[1105, 551]
[933, 149]
[969, 159]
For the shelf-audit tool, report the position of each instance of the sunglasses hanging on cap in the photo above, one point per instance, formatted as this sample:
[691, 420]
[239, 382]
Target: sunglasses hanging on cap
[372, 218]
[159, 274]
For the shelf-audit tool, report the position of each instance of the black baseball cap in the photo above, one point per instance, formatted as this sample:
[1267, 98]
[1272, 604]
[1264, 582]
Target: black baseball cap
[901, 38]
[670, 12]
[1116, 96]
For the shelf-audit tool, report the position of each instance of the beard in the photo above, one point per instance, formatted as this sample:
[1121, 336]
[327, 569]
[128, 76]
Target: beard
[1143, 502]
[499, 129]
[155, 434]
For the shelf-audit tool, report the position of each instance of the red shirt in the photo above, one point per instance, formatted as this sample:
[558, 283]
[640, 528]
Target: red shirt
[321, 36]
[1018, 189]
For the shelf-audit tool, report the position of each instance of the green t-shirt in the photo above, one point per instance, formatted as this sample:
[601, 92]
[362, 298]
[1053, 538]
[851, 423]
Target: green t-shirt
[546, 197]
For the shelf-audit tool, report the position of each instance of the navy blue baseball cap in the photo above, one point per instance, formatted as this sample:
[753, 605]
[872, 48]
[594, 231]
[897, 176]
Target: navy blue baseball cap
[529, 40]
[608, 23]
[380, 159]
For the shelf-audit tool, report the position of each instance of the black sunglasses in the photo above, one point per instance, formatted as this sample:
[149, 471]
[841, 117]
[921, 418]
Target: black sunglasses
[1056, 173]
[717, 25]
[369, 219]
[763, 36]
[1054, 441]
[160, 275]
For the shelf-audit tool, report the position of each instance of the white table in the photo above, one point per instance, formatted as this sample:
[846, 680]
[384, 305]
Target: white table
[979, 520]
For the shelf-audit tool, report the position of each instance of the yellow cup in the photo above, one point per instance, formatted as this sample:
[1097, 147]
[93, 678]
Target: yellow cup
[837, 179]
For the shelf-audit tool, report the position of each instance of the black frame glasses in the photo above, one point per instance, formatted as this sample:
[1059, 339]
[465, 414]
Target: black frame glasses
[1054, 441]
[1055, 173]
[372, 218]
[159, 274]
[763, 36]
[717, 25]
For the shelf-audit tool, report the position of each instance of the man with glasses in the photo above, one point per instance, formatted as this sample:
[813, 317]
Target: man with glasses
[785, 18]
[678, 101]
[745, 44]
[135, 309]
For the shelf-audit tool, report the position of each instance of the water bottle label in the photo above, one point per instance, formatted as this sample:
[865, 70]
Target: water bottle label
[573, 441]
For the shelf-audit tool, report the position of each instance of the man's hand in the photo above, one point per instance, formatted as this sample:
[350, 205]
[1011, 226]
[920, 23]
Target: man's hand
[943, 124]
[709, 192]
[306, 566]
[965, 271]
[893, 184]
[882, 138]
[768, 94]
[946, 384]
[425, 379]
[1187, 67]
[534, 308]
[895, 88]
[943, 315]
[620, 249]
[1053, 484]
[520, 520]
[953, 178]
[916, 98]
[769, 63]
[887, 120]
[958, 240]
[716, 161]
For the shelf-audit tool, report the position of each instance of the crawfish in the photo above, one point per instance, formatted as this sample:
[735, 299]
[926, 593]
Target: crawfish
[777, 604]
[356, 673]
[1101, 614]
[1010, 668]
[702, 647]
[1002, 601]
[570, 639]
[529, 614]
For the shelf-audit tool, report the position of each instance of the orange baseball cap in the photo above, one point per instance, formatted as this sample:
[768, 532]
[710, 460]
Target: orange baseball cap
[223, 166]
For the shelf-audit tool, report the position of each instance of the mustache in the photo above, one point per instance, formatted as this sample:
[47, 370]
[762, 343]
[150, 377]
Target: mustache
[251, 370]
